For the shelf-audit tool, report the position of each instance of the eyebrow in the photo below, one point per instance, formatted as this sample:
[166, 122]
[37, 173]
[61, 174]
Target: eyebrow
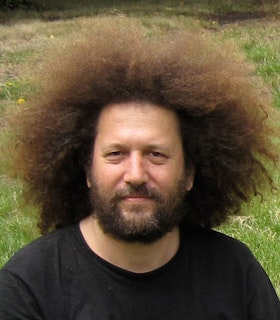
[153, 146]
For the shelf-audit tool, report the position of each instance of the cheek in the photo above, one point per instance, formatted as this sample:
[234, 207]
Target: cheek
[165, 178]
[106, 175]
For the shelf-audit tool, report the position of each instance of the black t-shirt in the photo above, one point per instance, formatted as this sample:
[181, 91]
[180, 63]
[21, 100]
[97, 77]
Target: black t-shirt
[212, 276]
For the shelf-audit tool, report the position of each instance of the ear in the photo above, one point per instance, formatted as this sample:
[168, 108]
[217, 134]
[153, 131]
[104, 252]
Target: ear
[88, 180]
[88, 183]
[190, 177]
[88, 174]
[88, 169]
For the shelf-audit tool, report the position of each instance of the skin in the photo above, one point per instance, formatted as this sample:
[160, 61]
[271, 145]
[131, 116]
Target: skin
[136, 143]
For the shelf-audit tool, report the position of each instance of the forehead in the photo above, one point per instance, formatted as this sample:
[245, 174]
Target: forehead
[138, 126]
[137, 115]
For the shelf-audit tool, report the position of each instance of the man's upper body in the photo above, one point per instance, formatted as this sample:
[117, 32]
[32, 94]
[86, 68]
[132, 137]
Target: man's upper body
[130, 259]
[210, 277]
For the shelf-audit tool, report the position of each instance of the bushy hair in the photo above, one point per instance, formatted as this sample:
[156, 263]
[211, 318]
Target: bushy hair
[221, 109]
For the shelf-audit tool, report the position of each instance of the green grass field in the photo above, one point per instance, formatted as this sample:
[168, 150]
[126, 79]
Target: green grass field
[23, 43]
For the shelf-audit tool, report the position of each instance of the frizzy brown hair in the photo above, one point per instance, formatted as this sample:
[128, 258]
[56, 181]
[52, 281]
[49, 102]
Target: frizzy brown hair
[221, 109]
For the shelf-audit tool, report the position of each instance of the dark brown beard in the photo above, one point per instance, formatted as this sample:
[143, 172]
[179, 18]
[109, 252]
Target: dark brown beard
[167, 214]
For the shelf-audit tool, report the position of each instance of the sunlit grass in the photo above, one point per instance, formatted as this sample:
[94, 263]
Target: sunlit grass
[260, 41]
[17, 224]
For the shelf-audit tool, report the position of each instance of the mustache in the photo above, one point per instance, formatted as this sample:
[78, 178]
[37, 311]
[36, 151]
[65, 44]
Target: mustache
[141, 190]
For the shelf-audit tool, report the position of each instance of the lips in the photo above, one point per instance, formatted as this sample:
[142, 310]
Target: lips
[136, 198]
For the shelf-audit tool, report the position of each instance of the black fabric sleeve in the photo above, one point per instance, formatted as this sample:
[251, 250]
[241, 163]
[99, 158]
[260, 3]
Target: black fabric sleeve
[263, 302]
[16, 300]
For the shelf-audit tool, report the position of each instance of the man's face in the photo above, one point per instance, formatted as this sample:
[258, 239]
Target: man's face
[137, 178]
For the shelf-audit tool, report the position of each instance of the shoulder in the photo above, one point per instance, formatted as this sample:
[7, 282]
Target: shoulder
[42, 251]
[214, 255]
[211, 245]
[212, 238]
[33, 275]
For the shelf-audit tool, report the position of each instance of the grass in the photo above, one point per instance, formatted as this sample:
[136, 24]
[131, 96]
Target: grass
[23, 45]
[259, 40]
[16, 224]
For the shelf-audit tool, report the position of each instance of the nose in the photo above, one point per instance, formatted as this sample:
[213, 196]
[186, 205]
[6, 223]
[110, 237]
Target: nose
[135, 172]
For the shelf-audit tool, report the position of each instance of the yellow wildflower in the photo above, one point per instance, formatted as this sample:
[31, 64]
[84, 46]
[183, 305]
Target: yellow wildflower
[20, 101]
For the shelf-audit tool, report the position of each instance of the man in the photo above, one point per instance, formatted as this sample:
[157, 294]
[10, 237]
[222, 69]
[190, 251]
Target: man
[138, 148]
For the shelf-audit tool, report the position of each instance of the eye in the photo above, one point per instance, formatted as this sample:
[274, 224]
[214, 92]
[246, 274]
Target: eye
[114, 156]
[157, 154]
[157, 157]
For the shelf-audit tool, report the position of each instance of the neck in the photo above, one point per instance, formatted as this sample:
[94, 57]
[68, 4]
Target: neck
[134, 257]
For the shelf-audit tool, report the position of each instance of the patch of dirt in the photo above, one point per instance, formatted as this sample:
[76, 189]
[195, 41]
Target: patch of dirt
[236, 16]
